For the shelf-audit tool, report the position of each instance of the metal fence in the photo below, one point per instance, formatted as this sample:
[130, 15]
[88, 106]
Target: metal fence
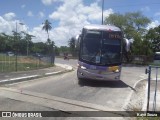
[153, 88]
[22, 63]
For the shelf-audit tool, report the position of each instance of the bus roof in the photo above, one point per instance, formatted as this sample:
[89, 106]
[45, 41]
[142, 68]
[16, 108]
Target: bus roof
[157, 52]
[102, 27]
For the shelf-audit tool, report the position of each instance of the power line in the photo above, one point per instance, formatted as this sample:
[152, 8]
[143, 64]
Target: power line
[132, 5]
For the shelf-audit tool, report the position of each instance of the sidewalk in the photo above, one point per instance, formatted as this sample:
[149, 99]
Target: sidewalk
[32, 74]
[152, 96]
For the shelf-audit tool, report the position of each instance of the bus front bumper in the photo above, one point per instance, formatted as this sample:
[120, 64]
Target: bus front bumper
[111, 76]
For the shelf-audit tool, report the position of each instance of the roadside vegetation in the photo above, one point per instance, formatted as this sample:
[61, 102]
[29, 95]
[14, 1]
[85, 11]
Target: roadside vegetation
[24, 63]
[146, 41]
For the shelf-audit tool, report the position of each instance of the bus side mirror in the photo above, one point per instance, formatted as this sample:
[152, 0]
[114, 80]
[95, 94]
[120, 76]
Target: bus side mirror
[78, 37]
[128, 43]
[147, 71]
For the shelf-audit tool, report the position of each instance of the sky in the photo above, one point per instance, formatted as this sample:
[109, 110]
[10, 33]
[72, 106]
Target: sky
[67, 17]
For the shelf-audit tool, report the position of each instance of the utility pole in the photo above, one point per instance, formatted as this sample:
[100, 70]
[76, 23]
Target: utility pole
[102, 10]
[16, 48]
[52, 52]
[16, 45]
[27, 47]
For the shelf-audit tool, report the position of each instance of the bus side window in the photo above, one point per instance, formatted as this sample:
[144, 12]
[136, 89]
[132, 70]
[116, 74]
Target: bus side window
[157, 57]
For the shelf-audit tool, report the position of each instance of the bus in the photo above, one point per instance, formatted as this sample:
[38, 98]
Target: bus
[157, 58]
[100, 52]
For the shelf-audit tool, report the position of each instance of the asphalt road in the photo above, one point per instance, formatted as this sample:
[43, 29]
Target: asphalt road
[112, 95]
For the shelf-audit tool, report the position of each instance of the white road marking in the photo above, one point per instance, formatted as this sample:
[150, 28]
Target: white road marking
[53, 73]
[129, 96]
[19, 78]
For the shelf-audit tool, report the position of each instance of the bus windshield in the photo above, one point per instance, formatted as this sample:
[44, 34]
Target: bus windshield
[157, 56]
[111, 48]
[101, 44]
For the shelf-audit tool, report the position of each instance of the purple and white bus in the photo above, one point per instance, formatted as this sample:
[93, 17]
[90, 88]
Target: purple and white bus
[100, 52]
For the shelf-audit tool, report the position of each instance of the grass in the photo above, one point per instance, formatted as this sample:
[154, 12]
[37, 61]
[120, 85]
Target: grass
[155, 64]
[4, 57]
[136, 108]
[8, 63]
[148, 118]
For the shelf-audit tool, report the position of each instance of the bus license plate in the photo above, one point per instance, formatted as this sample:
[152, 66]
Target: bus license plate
[93, 67]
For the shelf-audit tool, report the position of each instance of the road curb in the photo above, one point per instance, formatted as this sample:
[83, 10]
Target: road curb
[65, 66]
[144, 107]
[60, 104]
[27, 78]
[152, 92]
[131, 93]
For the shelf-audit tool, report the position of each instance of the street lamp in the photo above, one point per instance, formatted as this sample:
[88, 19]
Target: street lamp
[16, 40]
[102, 10]
[28, 37]
[52, 52]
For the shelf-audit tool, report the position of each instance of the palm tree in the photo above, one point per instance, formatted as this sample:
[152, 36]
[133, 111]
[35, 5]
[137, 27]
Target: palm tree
[47, 26]
[28, 39]
[72, 45]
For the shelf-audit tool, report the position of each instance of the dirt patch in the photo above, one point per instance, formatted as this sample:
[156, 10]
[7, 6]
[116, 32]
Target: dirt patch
[30, 60]
[137, 98]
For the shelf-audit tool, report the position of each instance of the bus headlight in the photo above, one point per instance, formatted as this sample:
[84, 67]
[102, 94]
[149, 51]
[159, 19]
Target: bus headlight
[114, 69]
[83, 67]
[117, 70]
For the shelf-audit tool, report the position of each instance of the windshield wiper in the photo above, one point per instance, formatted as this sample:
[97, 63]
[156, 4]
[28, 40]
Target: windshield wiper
[94, 56]
[109, 59]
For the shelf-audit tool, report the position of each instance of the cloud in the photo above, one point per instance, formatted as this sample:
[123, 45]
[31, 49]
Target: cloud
[77, 15]
[41, 14]
[9, 16]
[49, 2]
[146, 9]
[71, 16]
[23, 6]
[153, 24]
[40, 35]
[60, 35]
[30, 14]
[157, 14]
[7, 26]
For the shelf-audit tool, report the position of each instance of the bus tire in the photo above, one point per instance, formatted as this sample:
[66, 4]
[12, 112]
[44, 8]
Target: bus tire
[78, 77]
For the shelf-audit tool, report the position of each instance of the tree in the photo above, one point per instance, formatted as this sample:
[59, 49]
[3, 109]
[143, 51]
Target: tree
[129, 23]
[116, 19]
[28, 40]
[72, 45]
[56, 51]
[39, 47]
[64, 49]
[153, 36]
[3, 42]
[47, 27]
[133, 26]
[17, 39]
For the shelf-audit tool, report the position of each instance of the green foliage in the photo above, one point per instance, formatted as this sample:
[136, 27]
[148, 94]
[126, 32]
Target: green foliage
[133, 26]
[64, 49]
[153, 36]
[7, 63]
[56, 51]
[39, 47]
[116, 19]
[72, 45]
[47, 27]
[6, 42]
